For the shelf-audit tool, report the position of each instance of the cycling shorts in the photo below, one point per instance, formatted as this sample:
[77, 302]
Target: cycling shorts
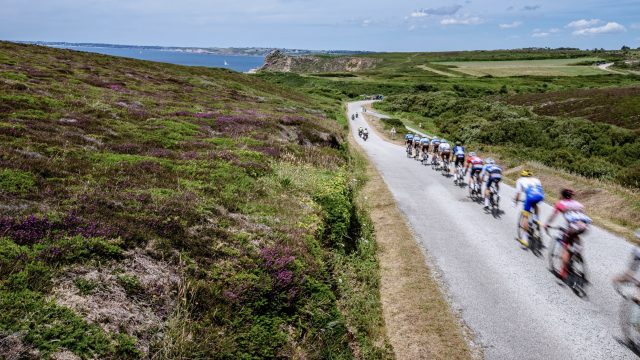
[531, 201]
[445, 153]
[459, 161]
[493, 180]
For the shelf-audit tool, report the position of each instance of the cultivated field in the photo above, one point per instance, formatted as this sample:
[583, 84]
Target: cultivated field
[547, 67]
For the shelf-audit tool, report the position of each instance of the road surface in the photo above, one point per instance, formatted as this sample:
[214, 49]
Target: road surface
[516, 308]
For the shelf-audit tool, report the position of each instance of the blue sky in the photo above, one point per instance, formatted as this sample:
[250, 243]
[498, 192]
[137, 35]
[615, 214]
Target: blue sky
[389, 25]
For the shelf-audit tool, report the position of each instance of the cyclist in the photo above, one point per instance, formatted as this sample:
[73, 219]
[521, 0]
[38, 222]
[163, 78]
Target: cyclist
[531, 188]
[424, 142]
[631, 273]
[475, 164]
[492, 173]
[435, 142]
[416, 145]
[458, 153]
[408, 140]
[365, 133]
[445, 152]
[577, 223]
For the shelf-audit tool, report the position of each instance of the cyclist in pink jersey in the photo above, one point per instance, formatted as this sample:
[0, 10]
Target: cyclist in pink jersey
[577, 223]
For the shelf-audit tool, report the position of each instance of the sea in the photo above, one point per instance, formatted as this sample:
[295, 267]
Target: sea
[240, 63]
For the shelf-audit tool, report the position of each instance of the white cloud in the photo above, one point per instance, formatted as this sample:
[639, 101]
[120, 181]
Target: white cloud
[418, 13]
[609, 28]
[554, 30]
[540, 34]
[366, 22]
[583, 23]
[635, 26]
[474, 20]
[512, 25]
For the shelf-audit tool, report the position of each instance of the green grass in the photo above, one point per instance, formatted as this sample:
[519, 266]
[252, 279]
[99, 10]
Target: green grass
[547, 67]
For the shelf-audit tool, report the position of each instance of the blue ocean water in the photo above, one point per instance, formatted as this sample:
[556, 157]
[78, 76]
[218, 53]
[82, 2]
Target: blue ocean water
[234, 62]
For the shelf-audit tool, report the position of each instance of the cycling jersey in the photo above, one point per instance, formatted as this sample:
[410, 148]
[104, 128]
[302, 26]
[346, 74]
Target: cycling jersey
[532, 189]
[444, 148]
[416, 139]
[425, 141]
[572, 211]
[458, 151]
[494, 173]
[435, 142]
[474, 162]
[408, 137]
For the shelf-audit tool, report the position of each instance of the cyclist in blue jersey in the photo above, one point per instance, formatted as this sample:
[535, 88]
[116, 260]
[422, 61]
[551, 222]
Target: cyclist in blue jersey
[533, 192]
[424, 144]
[408, 141]
[435, 143]
[492, 174]
[458, 154]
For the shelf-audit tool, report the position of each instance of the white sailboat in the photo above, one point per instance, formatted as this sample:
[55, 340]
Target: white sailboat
[226, 63]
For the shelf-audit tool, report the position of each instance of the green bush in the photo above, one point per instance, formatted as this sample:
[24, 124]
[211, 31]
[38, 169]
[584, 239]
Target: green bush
[16, 181]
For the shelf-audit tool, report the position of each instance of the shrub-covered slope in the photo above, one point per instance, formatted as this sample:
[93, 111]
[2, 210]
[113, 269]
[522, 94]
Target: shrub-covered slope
[156, 210]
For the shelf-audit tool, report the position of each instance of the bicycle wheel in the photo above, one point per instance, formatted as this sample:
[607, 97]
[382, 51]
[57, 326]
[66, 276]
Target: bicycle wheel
[535, 240]
[555, 256]
[630, 317]
[578, 275]
[520, 231]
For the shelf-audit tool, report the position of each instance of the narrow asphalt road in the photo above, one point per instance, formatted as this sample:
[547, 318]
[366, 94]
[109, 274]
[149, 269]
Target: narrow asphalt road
[516, 308]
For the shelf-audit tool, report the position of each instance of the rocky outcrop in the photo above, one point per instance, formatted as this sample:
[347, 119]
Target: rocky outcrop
[277, 61]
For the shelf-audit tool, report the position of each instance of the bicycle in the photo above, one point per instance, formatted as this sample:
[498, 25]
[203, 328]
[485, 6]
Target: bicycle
[425, 158]
[494, 199]
[435, 161]
[459, 175]
[577, 277]
[630, 313]
[445, 167]
[474, 188]
[535, 236]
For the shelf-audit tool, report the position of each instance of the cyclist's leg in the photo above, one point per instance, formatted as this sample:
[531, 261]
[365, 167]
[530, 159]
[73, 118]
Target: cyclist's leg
[487, 190]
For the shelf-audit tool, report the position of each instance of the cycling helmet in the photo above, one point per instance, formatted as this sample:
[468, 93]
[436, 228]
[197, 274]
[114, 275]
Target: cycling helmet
[526, 173]
[490, 161]
[567, 193]
[443, 141]
[472, 153]
[458, 143]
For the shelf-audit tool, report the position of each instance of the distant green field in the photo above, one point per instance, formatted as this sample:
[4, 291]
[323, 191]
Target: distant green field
[547, 67]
